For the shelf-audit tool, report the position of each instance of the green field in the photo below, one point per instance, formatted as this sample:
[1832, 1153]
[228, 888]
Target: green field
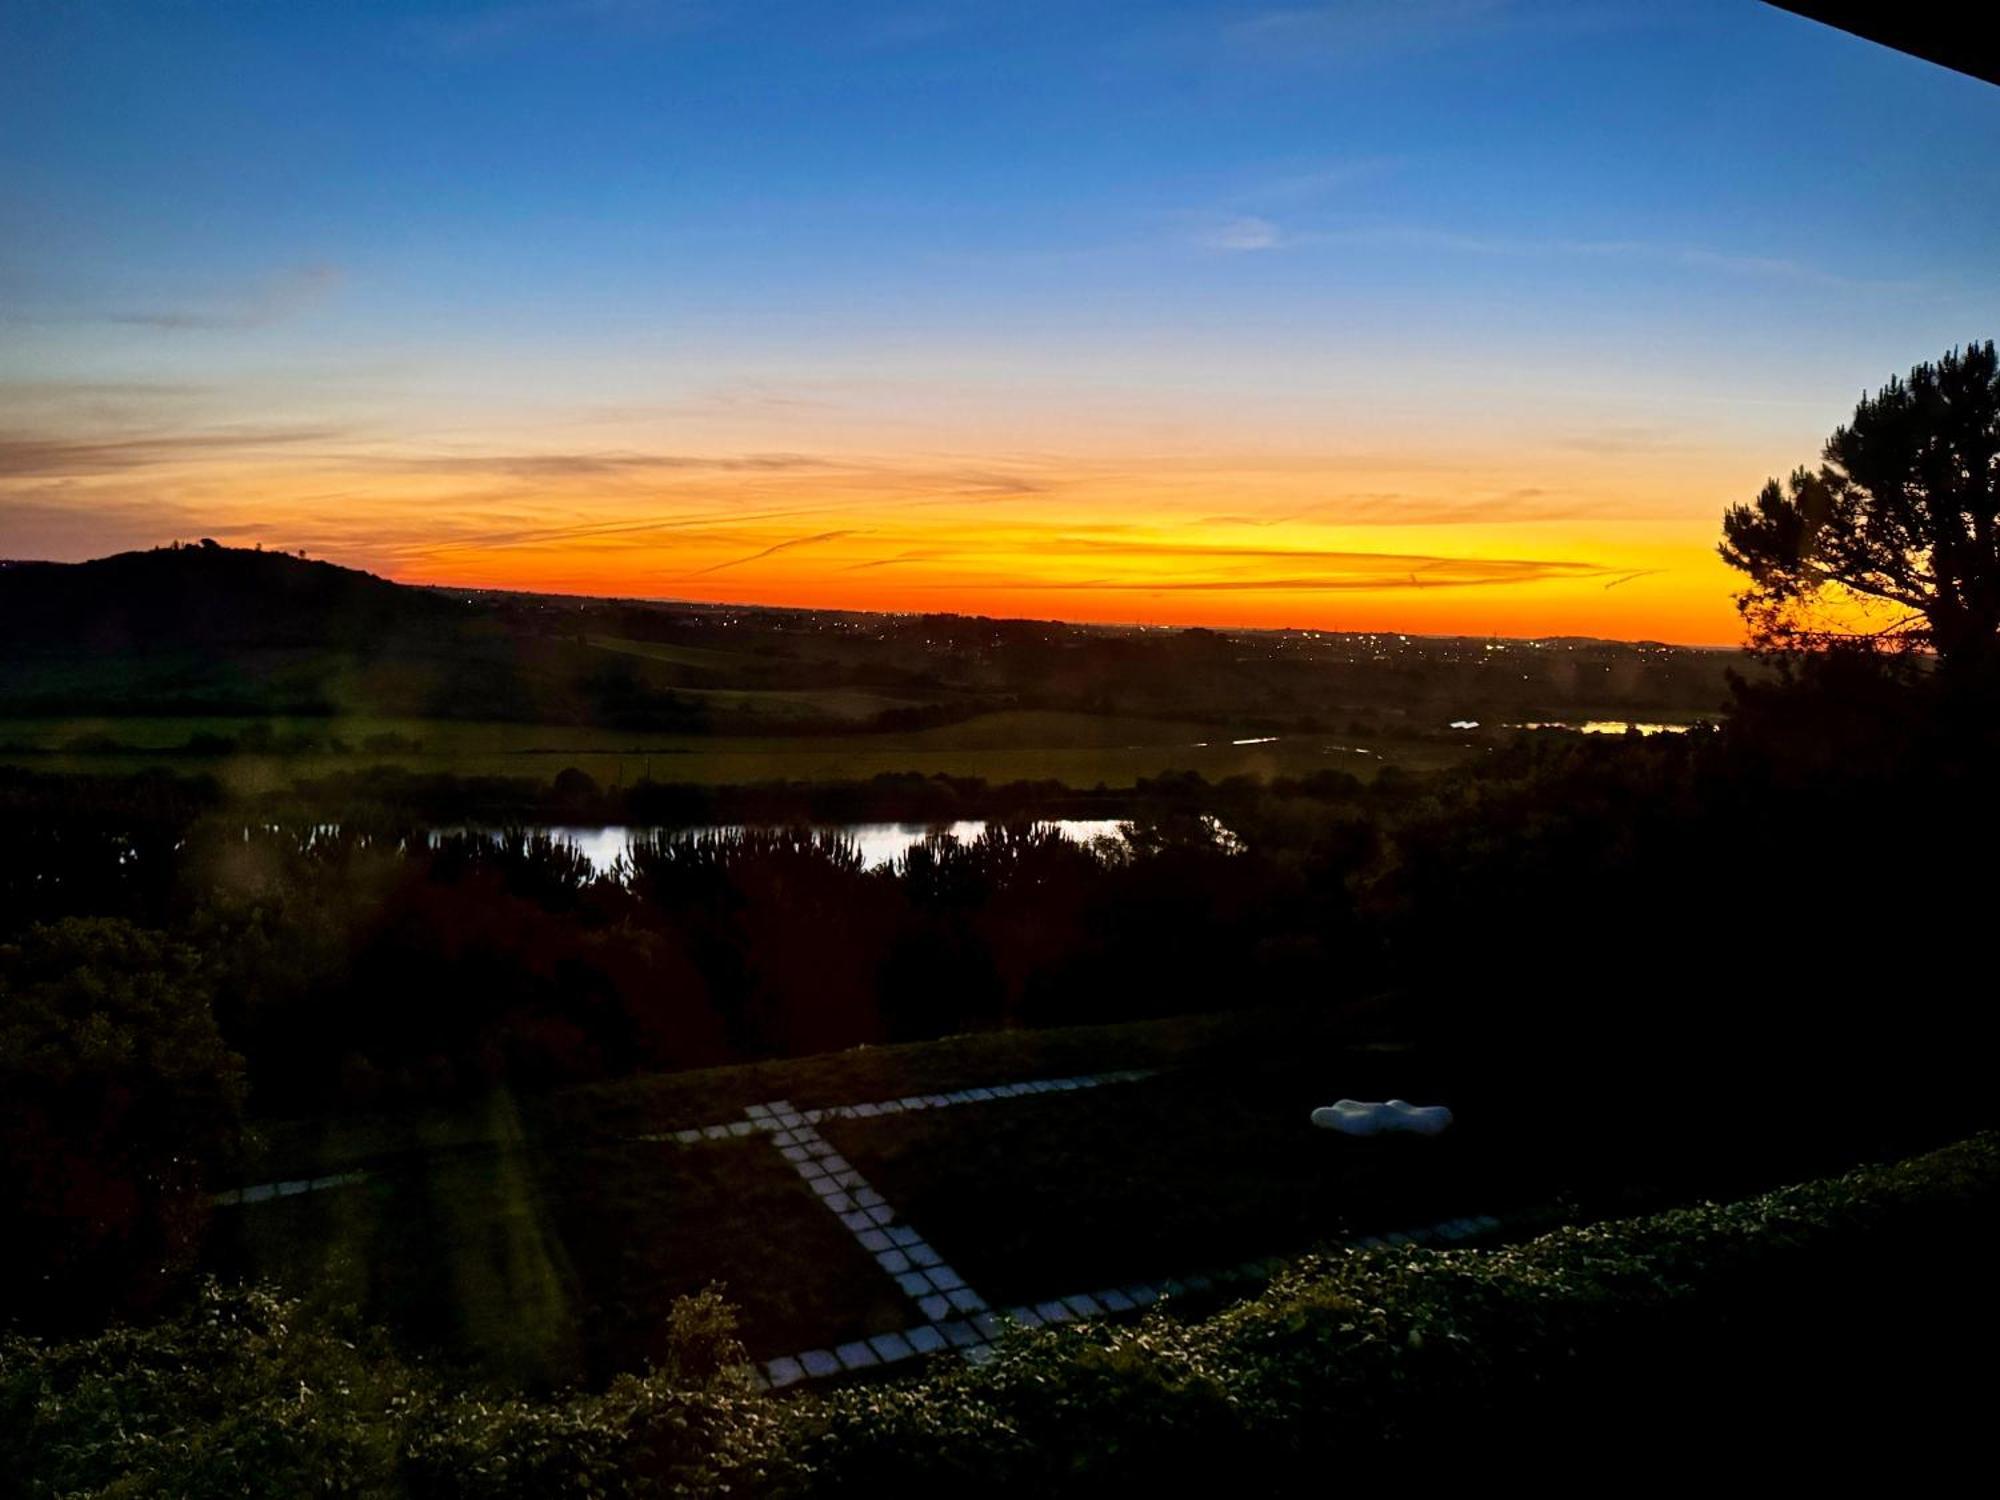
[1076, 748]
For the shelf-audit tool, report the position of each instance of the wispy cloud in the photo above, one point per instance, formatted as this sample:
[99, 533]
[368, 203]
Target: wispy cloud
[1361, 31]
[1621, 440]
[1364, 28]
[30, 457]
[1242, 232]
[497, 27]
[901, 559]
[575, 465]
[272, 300]
[776, 547]
[1691, 257]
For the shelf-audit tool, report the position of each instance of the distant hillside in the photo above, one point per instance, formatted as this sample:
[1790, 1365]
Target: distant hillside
[209, 595]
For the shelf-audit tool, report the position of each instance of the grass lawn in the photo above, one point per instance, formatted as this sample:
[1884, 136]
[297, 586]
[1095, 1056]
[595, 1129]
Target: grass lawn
[537, 1263]
[675, 1101]
[1059, 1193]
[647, 1222]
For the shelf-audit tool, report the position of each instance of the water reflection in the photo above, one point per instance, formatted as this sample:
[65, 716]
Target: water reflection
[1609, 726]
[878, 843]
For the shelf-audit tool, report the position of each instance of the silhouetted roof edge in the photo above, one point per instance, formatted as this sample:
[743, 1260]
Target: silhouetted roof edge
[1952, 36]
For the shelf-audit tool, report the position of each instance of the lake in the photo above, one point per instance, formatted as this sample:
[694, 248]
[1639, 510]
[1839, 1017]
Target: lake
[879, 843]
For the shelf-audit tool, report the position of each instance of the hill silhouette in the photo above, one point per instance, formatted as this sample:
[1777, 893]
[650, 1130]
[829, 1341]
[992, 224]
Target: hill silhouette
[210, 595]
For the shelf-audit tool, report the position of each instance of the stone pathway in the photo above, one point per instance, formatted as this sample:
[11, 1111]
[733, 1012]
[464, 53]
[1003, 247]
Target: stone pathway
[975, 1336]
[951, 1316]
[954, 1316]
[907, 1105]
[263, 1192]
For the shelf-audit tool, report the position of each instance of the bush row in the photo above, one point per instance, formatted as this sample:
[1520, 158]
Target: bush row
[1789, 1316]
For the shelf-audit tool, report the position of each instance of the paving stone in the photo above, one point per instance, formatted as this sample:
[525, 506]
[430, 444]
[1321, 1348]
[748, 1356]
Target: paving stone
[794, 1153]
[813, 1116]
[1143, 1296]
[1053, 1312]
[856, 1356]
[809, 1169]
[828, 1158]
[1115, 1301]
[821, 1149]
[868, 1198]
[873, 1239]
[913, 1102]
[841, 1204]
[936, 1101]
[716, 1132]
[823, 1186]
[1027, 1317]
[925, 1339]
[923, 1255]
[934, 1307]
[1084, 1306]
[741, 1127]
[758, 1111]
[903, 1234]
[979, 1354]
[866, 1111]
[945, 1279]
[988, 1324]
[855, 1219]
[780, 1106]
[965, 1299]
[882, 1214]
[784, 1371]
[687, 1137]
[819, 1363]
[979, 1095]
[790, 1121]
[890, 1347]
[851, 1179]
[889, 1107]
[960, 1334]
[914, 1285]
[892, 1261]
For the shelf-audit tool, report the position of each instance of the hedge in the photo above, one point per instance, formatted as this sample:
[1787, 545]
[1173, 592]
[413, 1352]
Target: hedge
[1651, 1330]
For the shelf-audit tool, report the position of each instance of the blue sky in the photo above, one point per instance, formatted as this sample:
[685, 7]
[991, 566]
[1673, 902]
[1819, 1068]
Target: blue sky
[1067, 240]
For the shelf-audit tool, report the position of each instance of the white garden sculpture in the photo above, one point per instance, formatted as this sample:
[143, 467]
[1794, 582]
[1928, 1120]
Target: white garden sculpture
[1354, 1117]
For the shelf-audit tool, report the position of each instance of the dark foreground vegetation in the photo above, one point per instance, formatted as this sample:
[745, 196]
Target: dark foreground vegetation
[1745, 934]
[1828, 1323]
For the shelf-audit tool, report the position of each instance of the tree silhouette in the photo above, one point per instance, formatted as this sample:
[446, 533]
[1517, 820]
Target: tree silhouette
[1893, 540]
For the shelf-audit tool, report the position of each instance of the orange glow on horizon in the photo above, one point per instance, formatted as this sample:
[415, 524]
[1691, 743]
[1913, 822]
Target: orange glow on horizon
[1517, 544]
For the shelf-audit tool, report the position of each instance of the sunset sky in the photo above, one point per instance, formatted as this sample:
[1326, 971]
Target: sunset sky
[1446, 315]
